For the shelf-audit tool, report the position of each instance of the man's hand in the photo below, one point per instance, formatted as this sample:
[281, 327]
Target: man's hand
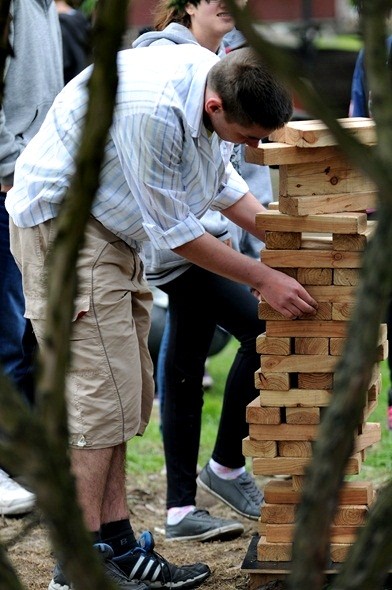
[285, 294]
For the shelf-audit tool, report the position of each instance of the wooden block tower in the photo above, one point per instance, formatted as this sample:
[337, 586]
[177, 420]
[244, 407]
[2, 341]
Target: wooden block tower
[315, 233]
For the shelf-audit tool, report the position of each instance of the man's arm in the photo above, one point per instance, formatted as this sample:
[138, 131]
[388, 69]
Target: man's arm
[282, 292]
[243, 213]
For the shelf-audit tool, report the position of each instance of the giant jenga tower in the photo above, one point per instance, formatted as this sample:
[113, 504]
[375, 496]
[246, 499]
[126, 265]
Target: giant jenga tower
[316, 233]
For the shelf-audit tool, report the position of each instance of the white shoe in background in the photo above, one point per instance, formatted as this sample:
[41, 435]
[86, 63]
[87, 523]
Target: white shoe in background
[14, 499]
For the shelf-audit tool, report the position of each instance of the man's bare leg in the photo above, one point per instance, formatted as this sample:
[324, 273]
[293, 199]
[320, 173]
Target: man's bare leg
[114, 501]
[91, 468]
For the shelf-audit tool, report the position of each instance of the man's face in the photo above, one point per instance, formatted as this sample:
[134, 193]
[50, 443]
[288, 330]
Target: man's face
[236, 133]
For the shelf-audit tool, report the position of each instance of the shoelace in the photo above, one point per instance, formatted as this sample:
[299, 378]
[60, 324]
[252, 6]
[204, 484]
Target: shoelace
[250, 487]
[146, 547]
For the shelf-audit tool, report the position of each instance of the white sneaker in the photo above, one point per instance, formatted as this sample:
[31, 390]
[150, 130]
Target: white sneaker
[14, 499]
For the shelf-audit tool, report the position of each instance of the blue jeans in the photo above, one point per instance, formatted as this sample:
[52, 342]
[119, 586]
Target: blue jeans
[17, 341]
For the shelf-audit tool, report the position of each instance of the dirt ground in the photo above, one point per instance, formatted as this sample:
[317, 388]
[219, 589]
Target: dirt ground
[30, 554]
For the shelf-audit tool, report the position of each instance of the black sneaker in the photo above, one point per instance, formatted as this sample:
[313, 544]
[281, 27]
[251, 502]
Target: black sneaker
[112, 571]
[199, 525]
[145, 565]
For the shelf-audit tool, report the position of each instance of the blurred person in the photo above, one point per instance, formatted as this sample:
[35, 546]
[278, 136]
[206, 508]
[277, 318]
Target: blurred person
[199, 301]
[33, 76]
[76, 39]
[360, 106]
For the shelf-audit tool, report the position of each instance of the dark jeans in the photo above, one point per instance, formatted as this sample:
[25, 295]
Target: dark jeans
[198, 301]
[17, 341]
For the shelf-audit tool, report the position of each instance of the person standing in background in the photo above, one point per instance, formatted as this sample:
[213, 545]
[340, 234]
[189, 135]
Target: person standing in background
[198, 302]
[360, 106]
[33, 77]
[76, 38]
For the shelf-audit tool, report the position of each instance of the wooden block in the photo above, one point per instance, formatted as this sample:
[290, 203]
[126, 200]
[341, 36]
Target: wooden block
[297, 363]
[371, 434]
[294, 448]
[258, 414]
[267, 345]
[350, 515]
[351, 493]
[288, 328]
[284, 533]
[290, 272]
[298, 483]
[334, 176]
[309, 345]
[259, 448]
[316, 134]
[278, 513]
[296, 398]
[274, 381]
[382, 351]
[314, 242]
[337, 223]
[273, 551]
[353, 242]
[336, 346]
[342, 311]
[295, 465]
[266, 312]
[332, 293]
[338, 552]
[373, 391]
[302, 415]
[311, 259]
[346, 276]
[283, 432]
[334, 203]
[275, 240]
[315, 276]
[278, 153]
[319, 380]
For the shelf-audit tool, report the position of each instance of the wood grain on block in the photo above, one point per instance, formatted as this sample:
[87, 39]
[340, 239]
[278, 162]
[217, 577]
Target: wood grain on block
[274, 381]
[371, 434]
[310, 345]
[278, 240]
[298, 483]
[278, 513]
[336, 346]
[352, 493]
[334, 176]
[333, 329]
[374, 391]
[319, 204]
[313, 242]
[273, 551]
[319, 380]
[332, 293]
[266, 312]
[267, 345]
[261, 414]
[293, 398]
[278, 154]
[294, 448]
[315, 276]
[316, 134]
[311, 259]
[283, 432]
[294, 363]
[259, 448]
[342, 311]
[346, 276]
[337, 223]
[338, 552]
[302, 415]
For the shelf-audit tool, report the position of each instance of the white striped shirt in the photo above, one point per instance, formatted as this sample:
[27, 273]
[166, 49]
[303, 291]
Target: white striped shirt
[162, 170]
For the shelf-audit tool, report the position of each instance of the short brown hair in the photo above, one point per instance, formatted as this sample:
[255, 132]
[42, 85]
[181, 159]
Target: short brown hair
[250, 94]
[164, 14]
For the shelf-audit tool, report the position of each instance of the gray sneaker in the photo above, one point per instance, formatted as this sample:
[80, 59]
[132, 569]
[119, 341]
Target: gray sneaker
[199, 525]
[112, 572]
[241, 493]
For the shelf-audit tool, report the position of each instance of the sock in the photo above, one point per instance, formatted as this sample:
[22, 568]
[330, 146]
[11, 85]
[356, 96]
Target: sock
[119, 535]
[225, 472]
[175, 515]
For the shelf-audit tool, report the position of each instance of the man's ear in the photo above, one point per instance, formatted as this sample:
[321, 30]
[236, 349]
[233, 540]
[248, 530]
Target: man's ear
[213, 105]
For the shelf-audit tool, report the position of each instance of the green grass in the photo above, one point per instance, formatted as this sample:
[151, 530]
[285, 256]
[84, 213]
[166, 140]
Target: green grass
[145, 454]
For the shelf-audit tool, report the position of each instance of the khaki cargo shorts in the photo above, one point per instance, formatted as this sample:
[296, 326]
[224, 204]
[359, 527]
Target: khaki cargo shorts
[110, 384]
